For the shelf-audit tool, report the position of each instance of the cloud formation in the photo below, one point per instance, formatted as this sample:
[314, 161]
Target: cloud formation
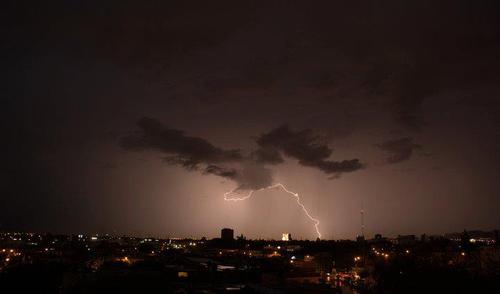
[309, 149]
[189, 150]
[192, 153]
[399, 149]
[249, 172]
[253, 176]
[267, 155]
[197, 154]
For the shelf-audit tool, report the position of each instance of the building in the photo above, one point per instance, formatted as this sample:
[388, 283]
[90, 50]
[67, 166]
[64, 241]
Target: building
[227, 234]
[286, 237]
[406, 240]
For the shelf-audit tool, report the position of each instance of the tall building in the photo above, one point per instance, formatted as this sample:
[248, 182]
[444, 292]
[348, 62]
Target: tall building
[286, 237]
[406, 239]
[227, 234]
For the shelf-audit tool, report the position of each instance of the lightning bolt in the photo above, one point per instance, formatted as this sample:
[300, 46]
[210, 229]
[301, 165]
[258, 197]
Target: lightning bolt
[278, 185]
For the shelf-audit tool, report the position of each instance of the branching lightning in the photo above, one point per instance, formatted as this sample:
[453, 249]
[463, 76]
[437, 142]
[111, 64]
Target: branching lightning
[278, 185]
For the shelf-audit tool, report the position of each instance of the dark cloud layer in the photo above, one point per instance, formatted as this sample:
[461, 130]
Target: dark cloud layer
[253, 176]
[267, 155]
[195, 153]
[399, 149]
[221, 171]
[191, 152]
[304, 146]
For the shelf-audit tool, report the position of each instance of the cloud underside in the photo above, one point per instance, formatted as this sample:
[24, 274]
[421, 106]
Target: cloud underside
[249, 172]
[304, 146]
[398, 150]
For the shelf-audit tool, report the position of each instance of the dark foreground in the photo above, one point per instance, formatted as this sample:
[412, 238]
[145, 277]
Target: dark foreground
[42, 263]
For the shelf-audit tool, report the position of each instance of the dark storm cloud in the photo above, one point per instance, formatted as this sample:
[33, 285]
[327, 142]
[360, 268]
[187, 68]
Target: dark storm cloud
[450, 53]
[221, 171]
[267, 155]
[191, 153]
[197, 154]
[413, 86]
[251, 75]
[185, 150]
[307, 148]
[253, 176]
[399, 150]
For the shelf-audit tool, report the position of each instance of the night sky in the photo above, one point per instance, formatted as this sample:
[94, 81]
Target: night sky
[135, 117]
